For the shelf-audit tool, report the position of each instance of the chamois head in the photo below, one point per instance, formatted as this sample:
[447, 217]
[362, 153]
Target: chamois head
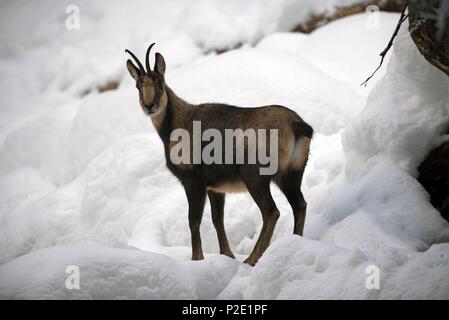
[150, 83]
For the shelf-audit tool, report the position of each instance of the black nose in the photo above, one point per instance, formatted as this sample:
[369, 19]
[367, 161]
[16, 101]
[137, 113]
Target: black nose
[149, 107]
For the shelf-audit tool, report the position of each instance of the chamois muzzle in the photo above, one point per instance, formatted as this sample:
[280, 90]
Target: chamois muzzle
[150, 108]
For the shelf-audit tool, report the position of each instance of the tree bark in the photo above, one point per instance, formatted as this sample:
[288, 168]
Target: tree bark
[429, 30]
[434, 177]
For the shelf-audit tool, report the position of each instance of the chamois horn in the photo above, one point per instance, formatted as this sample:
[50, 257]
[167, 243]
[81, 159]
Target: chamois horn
[137, 60]
[147, 57]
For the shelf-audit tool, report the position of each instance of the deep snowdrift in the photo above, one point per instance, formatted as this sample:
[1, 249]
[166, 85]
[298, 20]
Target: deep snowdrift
[83, 181]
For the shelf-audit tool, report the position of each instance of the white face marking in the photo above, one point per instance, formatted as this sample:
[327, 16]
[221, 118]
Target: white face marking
[162, 104]
[159, 110]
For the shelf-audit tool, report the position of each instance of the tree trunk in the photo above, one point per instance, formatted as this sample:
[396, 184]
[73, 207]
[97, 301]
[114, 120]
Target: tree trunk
[434, 176]
[429, 29]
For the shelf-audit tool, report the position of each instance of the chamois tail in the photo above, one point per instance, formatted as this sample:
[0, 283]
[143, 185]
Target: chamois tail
[301, 130]
[303, 134]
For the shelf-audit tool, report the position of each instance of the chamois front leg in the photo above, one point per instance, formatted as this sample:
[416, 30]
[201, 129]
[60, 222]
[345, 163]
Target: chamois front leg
[217, 207]
[196, 195]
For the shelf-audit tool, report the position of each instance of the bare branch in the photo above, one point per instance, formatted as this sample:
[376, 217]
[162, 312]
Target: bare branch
[403, 17]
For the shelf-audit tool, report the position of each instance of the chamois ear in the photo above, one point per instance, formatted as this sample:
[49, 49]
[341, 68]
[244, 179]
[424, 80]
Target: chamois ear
[133, 71]
[159, 65]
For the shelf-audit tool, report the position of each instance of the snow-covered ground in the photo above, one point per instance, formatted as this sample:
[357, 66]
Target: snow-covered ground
[82, 176]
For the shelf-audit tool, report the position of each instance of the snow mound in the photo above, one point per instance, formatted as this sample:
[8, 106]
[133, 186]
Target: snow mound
[292, 268]
[283, 41]
[389, 139]
[250, 20]
[110, 273]
[298, 268]
[353, 54]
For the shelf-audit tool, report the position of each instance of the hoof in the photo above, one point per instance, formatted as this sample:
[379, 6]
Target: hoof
[249, 261]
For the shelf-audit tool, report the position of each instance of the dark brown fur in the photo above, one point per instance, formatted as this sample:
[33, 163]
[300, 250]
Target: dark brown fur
[169, 112]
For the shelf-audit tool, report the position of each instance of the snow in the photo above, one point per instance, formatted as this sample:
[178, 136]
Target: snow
[283, 41]
[108, 273]
[82, 175]
[341, 56]
[250, 20]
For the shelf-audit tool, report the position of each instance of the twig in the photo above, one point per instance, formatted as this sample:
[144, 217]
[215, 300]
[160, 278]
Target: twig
[404, 16]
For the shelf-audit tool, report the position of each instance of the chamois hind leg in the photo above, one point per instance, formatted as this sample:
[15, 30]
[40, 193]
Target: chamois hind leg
[290, 185]
[217, 201]
[259, 188]
[196, 196]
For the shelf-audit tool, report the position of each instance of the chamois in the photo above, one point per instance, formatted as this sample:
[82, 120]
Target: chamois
[169, 112]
